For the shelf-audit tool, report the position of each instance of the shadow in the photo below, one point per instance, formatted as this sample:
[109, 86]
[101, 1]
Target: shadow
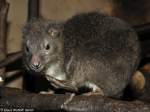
[133, 11]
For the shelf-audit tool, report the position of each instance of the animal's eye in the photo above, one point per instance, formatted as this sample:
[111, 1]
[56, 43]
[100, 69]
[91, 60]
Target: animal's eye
[47, 47]
[27, 48]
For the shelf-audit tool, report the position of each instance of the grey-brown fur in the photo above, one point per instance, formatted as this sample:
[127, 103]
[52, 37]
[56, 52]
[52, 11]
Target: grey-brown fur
[96, 50]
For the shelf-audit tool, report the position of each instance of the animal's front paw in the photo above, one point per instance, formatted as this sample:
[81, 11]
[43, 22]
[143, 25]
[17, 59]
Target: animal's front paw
[94, 93]
[46, 92]
[95, 90]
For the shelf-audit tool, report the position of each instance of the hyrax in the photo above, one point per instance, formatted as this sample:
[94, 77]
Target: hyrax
[91, 50]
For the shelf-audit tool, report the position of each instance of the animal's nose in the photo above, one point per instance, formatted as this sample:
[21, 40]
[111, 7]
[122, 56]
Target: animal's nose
[36, 64]
[36, 61]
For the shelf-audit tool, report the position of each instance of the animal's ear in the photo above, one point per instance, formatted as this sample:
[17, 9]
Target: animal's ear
[24, 32]
[55, 29]
[53, 32]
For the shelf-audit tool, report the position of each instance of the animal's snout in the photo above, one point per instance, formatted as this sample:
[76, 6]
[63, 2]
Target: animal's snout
[36, 62]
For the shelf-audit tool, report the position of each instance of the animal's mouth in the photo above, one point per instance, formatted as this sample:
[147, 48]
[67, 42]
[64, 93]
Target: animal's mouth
[36, 68]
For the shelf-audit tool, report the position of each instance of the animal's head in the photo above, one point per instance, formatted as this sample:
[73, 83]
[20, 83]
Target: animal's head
[42, 44]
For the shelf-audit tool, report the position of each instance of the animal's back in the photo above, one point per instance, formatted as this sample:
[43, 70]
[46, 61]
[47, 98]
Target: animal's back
[106, 51]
